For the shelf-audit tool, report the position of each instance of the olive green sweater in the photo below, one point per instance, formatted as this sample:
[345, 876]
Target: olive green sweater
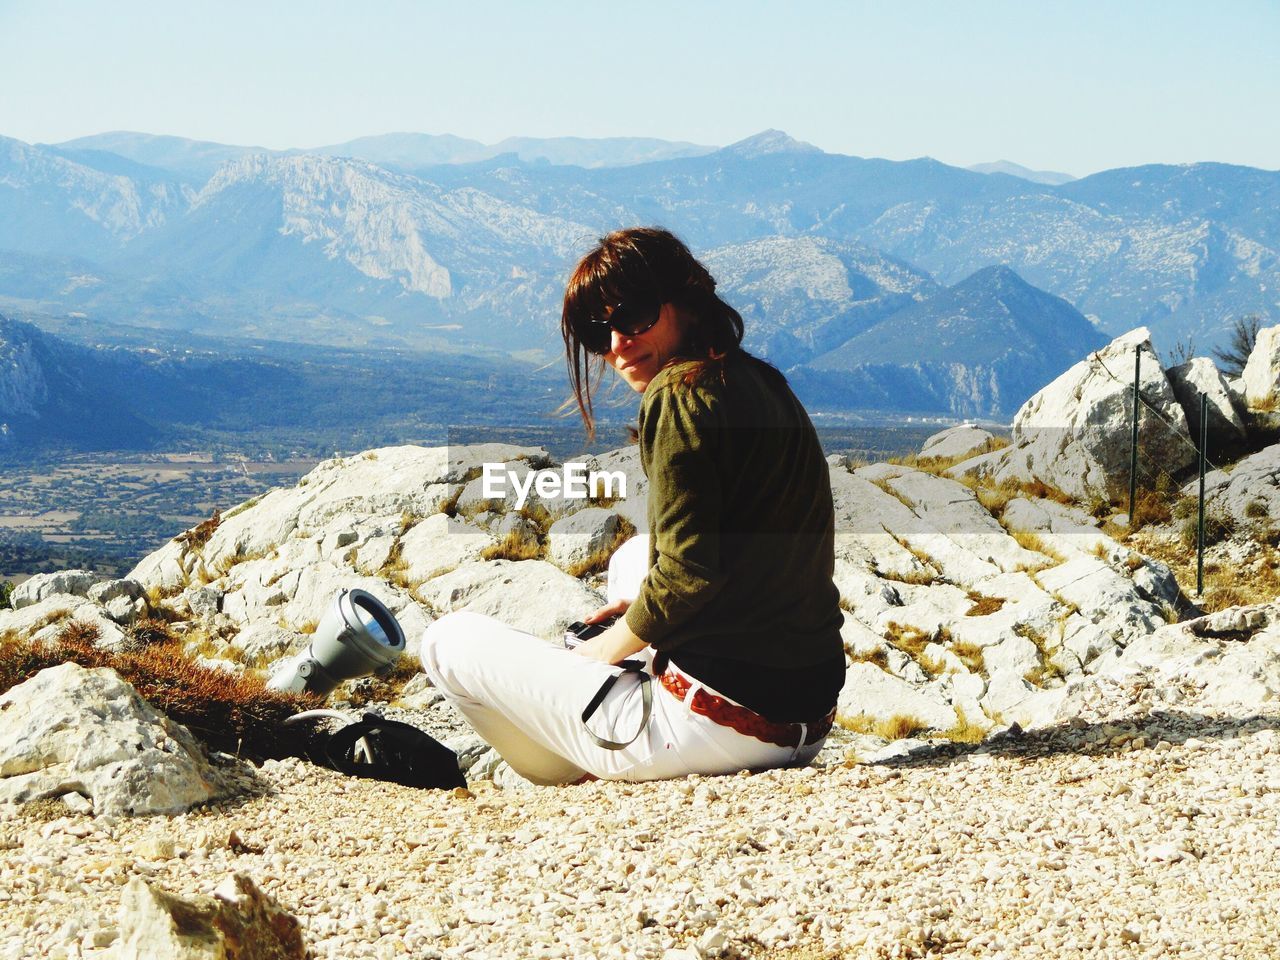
[741, 523]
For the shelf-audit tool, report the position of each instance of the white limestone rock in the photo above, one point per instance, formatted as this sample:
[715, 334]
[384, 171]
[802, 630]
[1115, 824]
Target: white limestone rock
[264, 643]
[74, 583]
[864, 593]
[239, 922]
[959, 535]
[1251, 486]
[374, 553]
[523, 530]
[340, 496]
[439, 544]
[625, 463]
[860, 535]
[1199, 377]
[871, 692]
[926, 609]
[965, 440]
[1074, 434]
[574, 539]
[1261, 376]
[1103, 596]
[1014, 655]
[530, 595]
[124, 600]
[1005, 691]
[45, 619]
[70, 728]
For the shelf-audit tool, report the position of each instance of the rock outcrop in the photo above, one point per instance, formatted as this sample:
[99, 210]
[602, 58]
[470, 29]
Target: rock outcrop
[74, 730]
[1261, 376]
[1074, 435]
[1200, 377]
[238, 922]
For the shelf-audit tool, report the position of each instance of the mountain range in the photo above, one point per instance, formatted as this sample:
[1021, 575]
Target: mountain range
[445, 244]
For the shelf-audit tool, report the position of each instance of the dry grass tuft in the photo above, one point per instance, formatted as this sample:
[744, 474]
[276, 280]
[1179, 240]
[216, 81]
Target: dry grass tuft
[970, 654]
[939, 465]
[396, 570]
[964, 730]
[900, 726]
[983, 605]
[1267, 404]
[877, 655]
[1032, 541]
[919, 578]
[230, 712]
[514, 547]
[909, 640]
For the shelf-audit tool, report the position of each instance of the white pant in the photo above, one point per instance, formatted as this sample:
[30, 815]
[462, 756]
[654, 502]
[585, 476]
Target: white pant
[525, 697]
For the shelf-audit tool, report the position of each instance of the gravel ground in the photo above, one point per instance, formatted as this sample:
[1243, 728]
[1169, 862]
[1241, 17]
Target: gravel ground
[1150, 833]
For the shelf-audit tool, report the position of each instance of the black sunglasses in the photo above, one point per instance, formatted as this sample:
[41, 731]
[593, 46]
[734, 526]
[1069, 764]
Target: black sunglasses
[629, 319]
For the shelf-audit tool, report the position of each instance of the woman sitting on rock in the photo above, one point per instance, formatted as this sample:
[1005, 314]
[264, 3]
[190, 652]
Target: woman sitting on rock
[728, 628]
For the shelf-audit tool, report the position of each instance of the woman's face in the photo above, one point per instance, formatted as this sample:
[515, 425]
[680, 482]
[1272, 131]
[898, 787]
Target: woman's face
[638, 358]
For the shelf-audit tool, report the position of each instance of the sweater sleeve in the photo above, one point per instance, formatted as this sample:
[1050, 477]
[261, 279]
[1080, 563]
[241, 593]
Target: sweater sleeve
[679, 437]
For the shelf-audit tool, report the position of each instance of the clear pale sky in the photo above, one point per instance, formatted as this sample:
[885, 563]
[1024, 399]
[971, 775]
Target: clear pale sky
[1071, 86]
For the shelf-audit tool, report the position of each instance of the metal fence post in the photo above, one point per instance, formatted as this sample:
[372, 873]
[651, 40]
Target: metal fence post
[1204, 440]
[1133, 445]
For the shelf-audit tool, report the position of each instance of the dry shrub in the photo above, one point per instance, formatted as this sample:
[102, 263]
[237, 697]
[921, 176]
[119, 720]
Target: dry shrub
[983, 605]
[199, 535]
[1150, 506]
[149, 630]
[1217, 527]
[538, 515]
[1255, 509]
[230, 712]
[1039, 676]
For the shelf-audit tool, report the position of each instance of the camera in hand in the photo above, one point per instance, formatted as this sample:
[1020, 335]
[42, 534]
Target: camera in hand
[578, 632]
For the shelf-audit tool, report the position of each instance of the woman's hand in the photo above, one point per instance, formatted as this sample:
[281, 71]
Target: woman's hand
[615, 609]
[615, 644]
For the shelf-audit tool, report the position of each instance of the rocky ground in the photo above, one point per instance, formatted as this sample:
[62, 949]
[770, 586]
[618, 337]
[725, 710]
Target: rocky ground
[1119, 800]
[1142, 829]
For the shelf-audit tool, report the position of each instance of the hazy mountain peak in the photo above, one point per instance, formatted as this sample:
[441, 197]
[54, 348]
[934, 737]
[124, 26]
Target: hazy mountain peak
[768, 142]
[1050, 177]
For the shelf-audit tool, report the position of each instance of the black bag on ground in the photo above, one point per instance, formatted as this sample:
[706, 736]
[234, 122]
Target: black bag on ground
[391, 750]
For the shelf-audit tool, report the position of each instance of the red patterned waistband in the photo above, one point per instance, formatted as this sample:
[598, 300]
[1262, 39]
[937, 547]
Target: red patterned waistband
[746, 721]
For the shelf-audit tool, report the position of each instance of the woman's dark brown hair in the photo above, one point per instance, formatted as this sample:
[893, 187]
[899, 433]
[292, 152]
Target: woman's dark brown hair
[650, 264]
